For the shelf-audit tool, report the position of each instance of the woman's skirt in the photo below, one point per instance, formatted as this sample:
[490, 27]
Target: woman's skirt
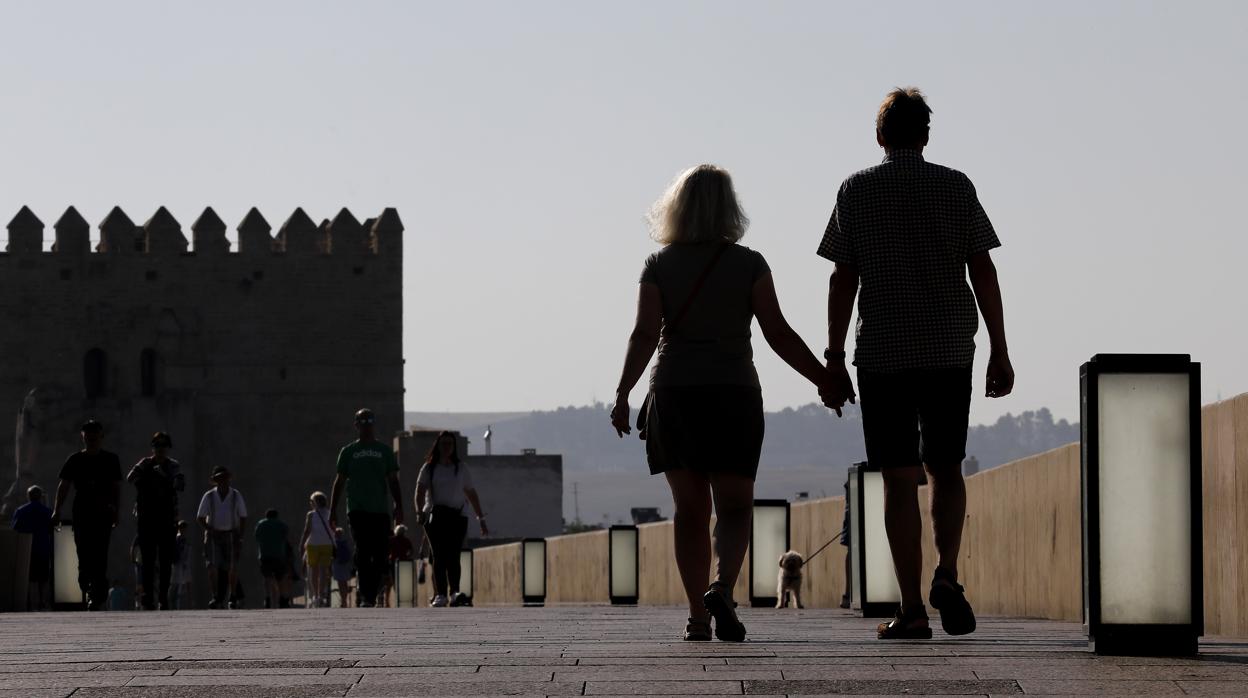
[709, 429]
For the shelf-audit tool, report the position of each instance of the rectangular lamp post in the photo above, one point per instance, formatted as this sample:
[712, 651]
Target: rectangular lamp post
[405, 583]
[1143, 588]
[533, 571]
[622, 566]
[465, 573]
[873, 578]
[66, 594]
[769, 539]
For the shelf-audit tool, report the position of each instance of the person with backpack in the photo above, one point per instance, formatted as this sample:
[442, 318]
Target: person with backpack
[157, 480]
[443, 487]
[273, 547]
[223, 515]
[317, 544]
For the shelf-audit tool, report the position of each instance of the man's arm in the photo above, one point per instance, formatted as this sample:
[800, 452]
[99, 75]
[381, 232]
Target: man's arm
[396, 494]
[842, 290]
[340, 481]
[62, 491]
[987, 289]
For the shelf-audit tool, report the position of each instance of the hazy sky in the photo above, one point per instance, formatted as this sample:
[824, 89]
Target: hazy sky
[522, 143]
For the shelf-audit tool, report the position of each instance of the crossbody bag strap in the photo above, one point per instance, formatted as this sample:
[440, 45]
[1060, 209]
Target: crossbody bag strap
[697, 287]
[326, 525]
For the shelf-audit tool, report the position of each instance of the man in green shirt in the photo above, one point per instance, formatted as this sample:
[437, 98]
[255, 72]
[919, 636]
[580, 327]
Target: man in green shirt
[367, 468]
[272, 540]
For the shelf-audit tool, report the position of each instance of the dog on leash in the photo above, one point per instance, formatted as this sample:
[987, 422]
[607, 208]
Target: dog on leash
[789, 580]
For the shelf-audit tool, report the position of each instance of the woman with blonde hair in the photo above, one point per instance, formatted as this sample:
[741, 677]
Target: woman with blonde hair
[703, 417]
[318, 549]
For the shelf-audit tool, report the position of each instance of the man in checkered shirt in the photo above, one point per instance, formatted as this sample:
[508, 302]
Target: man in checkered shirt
[908, 231]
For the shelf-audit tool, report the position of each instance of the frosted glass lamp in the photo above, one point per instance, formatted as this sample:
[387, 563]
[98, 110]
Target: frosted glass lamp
[622, 566]
[405, 583]
[1140, 455]
[769, 539]
[533, 571]
[65, 590]
[874, 588]
[465, 573]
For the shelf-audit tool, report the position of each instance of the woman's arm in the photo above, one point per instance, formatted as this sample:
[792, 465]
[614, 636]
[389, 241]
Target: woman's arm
[307, 531]
[421, 490]
[641, 345]
[781, 337]
[475, 501]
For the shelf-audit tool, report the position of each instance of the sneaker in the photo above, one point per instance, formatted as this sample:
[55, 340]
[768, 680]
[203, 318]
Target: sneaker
[460, 599]
[214, 604]
[439, 601]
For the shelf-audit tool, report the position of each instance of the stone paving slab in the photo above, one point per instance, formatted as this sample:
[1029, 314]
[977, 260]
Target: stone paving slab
[583, 650]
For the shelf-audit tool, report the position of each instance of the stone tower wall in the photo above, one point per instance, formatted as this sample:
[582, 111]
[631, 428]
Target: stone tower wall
[254, 358]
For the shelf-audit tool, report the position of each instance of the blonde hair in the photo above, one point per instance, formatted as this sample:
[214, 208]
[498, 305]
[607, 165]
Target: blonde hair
[699, 206]
[318, 498]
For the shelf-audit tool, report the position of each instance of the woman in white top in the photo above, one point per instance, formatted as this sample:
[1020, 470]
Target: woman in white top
[318, 549]
[443, 487]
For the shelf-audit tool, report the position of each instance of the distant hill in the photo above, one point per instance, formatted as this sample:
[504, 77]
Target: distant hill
[807, 449]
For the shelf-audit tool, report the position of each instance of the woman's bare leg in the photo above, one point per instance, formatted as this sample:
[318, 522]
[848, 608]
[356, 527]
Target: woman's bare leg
[691, 494]
[734, 509]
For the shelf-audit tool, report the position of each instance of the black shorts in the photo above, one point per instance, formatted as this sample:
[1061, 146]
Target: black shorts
[705, 428]
[915, 417]
[273, 567]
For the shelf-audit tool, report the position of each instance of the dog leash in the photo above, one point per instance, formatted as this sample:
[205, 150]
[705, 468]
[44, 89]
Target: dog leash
[812, 555]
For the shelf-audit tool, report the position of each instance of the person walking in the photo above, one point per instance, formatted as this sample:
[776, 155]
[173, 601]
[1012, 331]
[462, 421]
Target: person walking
[180, 582]
[95, 476]
[317, 544]
[366, 468]
[35, 518]
[443, 488]
[908, 232]
[343, 566]
[273, 544]
[703, 417]
[156, 479]
[223, 515]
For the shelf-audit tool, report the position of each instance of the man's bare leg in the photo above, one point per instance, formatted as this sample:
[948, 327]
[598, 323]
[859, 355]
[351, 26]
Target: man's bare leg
[905, 530]
[948, 505]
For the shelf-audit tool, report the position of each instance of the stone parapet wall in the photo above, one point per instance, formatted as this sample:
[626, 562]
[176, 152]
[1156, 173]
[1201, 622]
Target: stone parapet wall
[1021, 547]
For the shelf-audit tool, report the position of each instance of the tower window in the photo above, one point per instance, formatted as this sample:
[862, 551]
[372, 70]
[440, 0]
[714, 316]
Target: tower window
[94, 373]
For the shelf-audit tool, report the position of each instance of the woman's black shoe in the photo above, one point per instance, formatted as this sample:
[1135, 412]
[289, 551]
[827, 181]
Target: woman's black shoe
[909, 626]
[728, 627]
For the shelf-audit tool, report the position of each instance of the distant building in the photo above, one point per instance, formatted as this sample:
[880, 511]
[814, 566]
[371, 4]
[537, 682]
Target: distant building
[643, 515]
[970, 466]
[522, 495]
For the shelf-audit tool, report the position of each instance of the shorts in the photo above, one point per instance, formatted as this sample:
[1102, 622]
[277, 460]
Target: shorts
[711, 429]
[320, 556]
[273, 567]
[222, 549]
[914, 417]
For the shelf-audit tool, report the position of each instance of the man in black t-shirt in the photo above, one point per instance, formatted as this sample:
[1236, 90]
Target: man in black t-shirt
[95, 475]
[157, 480]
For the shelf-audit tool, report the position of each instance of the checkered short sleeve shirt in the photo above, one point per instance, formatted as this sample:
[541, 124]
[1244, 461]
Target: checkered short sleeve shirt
[909, 227]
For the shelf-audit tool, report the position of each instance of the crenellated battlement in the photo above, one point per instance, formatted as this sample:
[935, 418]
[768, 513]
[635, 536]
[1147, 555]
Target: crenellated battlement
[161, 235]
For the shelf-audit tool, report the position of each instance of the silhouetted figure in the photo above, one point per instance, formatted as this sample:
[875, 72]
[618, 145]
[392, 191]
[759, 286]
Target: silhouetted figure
[343, 567]
[35, 518]
[157, 480]
[908, 231]
[95, 475]
[223, 515]
[317, 544]
[443, 488]
[366, 469]
[273, 543]
[703, 417]
[180, 582]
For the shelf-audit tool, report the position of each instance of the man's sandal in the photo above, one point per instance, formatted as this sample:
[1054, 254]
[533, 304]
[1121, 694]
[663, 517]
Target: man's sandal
[910, 626]
[698, 630]
[956, 615]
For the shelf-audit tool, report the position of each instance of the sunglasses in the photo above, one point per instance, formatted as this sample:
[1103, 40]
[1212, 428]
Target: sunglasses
[364, 420]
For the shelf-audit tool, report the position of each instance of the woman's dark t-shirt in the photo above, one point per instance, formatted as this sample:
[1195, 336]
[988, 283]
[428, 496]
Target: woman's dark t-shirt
[711, 344]
[93, 477]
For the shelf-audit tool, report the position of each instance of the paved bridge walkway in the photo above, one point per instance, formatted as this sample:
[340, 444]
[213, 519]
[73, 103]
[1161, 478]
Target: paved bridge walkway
[562, 651]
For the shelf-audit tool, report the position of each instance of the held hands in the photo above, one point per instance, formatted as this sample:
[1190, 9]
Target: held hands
[619, 416]
[836, 388]
[1000, 375]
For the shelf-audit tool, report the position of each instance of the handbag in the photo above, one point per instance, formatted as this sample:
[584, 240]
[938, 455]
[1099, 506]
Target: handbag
[642, 418]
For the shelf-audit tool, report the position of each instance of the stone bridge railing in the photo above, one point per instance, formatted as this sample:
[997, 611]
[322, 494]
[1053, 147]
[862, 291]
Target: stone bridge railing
[1021, 550]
